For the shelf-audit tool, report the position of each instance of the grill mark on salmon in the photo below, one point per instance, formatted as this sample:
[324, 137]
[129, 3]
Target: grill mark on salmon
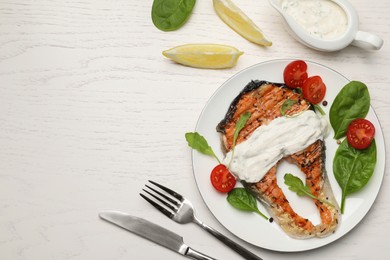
[264, 100]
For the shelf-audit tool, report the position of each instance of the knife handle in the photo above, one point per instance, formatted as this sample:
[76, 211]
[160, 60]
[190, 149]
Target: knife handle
[230, 243]
[192, 253]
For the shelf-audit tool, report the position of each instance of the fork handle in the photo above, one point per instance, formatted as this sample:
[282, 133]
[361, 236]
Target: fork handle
[227, 241]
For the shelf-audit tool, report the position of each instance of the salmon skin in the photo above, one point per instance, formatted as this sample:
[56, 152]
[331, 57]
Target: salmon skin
[264, 100]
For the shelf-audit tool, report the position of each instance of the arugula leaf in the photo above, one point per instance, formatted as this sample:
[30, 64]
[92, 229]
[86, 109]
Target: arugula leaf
[295, 184]
[286, 106]
[319, 108]
[353, 168]
[242, 199]
[239, 126]
[353, 101]
[169, 15]
[199, 143]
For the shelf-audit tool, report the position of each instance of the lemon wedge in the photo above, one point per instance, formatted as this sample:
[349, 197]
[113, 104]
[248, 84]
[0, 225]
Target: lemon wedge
[240, 22]
[205, 56]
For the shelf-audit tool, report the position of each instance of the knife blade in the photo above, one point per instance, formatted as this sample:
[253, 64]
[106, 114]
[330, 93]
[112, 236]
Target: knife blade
[152, 232]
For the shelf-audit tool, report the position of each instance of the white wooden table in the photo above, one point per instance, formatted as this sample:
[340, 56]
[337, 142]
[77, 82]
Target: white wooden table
[90, 110]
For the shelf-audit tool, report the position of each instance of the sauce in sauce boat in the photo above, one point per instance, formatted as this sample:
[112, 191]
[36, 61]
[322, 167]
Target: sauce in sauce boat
[325, 25]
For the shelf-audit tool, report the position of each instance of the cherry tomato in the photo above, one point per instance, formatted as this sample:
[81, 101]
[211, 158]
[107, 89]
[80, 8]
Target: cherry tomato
[360, 133]
[221, 179]
[295, 74]
[314, 89]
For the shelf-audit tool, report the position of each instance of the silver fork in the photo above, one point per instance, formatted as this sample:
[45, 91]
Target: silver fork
[181, 210]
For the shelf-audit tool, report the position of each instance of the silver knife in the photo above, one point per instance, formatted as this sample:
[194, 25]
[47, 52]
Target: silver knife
[153, 232]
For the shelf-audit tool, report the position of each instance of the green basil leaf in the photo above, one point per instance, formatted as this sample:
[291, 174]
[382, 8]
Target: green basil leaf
[286, 106]
[199, 143]
[169, 15]
[353, 168]
[242, 199]
[352, 102]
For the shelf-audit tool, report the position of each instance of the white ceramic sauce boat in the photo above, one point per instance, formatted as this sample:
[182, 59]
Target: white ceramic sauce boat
[351, 36]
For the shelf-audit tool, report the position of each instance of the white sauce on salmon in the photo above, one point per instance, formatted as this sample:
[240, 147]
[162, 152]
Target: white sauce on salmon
[283, 136]
[321, 18]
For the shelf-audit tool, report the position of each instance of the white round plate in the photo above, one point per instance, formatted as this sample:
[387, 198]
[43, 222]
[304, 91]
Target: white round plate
[251, 227]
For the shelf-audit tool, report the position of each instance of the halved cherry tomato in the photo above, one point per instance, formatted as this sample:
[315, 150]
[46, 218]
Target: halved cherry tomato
[360, 133]
[314, 89]
[221, 179]
[295, 74]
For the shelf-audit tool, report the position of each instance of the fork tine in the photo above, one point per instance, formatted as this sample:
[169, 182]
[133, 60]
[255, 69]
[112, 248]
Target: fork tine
[161, 200]
[175, 202]
[157, 206]
[173, 193]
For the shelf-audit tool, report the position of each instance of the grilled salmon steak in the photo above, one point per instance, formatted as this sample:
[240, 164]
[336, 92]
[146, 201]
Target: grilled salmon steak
[264, 101]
